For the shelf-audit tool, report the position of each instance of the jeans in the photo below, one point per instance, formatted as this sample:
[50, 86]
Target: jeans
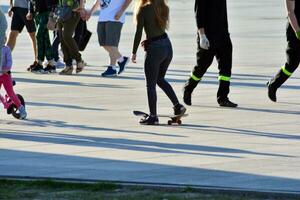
[159, 55]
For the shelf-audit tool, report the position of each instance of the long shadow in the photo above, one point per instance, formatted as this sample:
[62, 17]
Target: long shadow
[69, 83]
[17, 163]
[62, 124]
[288, 112]
[40, 104]
[219, 129]
[127, 144]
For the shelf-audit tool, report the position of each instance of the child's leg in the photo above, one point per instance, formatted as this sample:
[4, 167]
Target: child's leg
[8, 86]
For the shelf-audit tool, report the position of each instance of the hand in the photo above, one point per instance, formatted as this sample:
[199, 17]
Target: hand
[118, 15]
[133, 58]
[204, 42]
[88, 15]
[298, 35]
[10, 12]
[29, 16]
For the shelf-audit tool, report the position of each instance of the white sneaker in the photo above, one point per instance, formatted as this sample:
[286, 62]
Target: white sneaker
[22, 112]
[59, 64]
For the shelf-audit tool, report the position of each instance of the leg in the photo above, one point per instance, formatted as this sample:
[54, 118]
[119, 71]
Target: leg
[224, 58]
[70, 48]
[204, 60]
[161, 81]
[8, 86]
[12, 38]
[152, 64]
[39, 37]
[293, 60]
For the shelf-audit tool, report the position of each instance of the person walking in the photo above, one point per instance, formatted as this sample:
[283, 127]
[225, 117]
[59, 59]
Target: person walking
[42, 10]
[22, 16]
[66, 31]
[153, 17]
[6, 79]
[111, 20]
[213, 41]
[292, 50]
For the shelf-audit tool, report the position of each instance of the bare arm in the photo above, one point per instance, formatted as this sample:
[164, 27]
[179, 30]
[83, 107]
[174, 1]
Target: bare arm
[95, 6]
[122, 10]
[290, 6]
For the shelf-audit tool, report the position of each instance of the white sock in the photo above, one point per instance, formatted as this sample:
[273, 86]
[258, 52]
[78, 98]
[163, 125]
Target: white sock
[121, 59]
[114, 67]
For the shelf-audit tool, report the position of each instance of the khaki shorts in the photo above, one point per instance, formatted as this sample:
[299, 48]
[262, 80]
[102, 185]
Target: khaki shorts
[109, 33]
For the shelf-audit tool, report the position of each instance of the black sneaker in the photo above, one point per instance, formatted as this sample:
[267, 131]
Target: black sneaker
[187, 97]
[227, 103]
[35, 63]
[36, 68]
[123, 64]
[271, 92]
[179, 109]
[50, 69]
[149, 120]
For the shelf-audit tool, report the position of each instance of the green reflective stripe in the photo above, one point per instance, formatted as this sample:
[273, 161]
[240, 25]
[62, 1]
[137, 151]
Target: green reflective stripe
[195, 78]
[286, 71]
[224, 78]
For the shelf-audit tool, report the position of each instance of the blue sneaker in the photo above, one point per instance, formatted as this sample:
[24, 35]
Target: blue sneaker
[109, 72]
[123, 64]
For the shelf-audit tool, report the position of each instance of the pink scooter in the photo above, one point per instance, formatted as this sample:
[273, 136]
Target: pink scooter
[10, 106]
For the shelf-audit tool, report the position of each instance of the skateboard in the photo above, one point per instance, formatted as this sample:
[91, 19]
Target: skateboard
[174, 119]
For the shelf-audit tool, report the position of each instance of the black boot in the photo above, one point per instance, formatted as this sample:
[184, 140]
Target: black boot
[275, 83]
[188, 90]
[222, 95]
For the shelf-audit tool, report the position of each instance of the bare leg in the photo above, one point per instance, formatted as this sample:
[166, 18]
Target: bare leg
[12, 39]
[33, 39]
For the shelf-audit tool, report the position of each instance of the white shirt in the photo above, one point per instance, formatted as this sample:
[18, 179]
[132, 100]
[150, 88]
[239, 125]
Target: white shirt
[109, 9]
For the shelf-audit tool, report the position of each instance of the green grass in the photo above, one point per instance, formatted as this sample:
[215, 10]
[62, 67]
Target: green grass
[52, 190]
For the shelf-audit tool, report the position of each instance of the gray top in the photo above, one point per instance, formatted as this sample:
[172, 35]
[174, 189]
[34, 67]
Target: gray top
[20, 3]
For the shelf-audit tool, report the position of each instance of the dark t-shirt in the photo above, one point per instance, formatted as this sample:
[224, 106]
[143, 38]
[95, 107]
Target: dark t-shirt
[44, 5]
[212, 16]
[146, 20]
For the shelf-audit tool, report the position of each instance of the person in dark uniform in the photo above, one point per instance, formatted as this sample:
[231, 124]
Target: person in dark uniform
[213, 40]
[292, 51]
[41, 13]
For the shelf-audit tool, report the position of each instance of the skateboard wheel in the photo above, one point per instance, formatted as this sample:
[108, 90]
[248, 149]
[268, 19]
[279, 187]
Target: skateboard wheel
[170, 122]
[179, 122]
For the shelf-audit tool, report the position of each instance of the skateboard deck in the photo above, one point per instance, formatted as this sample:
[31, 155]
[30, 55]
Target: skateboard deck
[174, 119]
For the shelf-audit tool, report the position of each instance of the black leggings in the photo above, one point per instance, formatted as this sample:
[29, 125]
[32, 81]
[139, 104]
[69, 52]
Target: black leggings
[158, 58]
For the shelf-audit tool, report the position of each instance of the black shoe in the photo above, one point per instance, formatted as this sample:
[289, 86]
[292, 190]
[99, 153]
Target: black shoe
[271, 92]
[227, 103]
[149, 120]
[187, 97]
[50, 69]
[36, 68]
[179, 109]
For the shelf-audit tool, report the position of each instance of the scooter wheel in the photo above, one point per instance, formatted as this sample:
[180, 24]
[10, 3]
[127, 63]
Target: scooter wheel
[14, 108]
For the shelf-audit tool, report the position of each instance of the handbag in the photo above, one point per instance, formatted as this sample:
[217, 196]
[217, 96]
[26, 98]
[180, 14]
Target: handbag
[82, 35]
[52, 23]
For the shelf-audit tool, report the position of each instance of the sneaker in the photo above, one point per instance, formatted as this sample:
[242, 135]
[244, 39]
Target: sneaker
[271, 92]
[123, 64]
[67, 70]
[22, 112]
[36, 68]
[50, 69]
[109, 72]
[227, 103]
[59, 64]
[187, 97]
[179, 109]
[149, 120]
[79, 66]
